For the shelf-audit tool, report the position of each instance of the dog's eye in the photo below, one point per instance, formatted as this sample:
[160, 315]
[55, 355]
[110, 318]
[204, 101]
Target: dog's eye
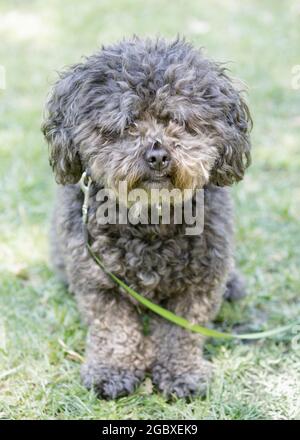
[132, 129]
[178, 122]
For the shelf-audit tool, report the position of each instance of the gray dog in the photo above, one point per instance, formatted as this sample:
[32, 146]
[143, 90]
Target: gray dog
[155, 114]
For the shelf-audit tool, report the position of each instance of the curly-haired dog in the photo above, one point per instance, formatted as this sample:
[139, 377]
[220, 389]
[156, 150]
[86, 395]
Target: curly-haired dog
[155, 114]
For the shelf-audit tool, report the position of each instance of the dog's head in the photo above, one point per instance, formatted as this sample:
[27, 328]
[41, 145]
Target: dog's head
[152, 113]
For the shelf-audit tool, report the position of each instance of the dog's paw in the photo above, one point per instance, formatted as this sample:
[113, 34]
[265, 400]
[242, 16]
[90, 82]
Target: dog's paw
[110, 382]
[191, 383]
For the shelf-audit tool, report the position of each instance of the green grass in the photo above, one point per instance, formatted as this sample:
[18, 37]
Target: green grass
[42, 340]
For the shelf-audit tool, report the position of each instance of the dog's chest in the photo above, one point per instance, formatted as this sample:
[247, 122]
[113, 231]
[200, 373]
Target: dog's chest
[158, 267]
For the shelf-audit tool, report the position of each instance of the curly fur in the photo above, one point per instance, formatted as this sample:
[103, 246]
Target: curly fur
[103, 114]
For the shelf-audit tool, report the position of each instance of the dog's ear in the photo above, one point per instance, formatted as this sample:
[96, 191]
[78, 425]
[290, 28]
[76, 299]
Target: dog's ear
[234, 141]
[58, 127]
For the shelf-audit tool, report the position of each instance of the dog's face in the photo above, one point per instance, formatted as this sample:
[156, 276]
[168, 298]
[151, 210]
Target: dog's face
[153, 152]
[151, 113]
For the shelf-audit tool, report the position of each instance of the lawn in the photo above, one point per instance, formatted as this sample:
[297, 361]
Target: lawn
[41, 336]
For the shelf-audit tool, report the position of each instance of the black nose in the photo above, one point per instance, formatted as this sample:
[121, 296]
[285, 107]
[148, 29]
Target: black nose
[157, 157]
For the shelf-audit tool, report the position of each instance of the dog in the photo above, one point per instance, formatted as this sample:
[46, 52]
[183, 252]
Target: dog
[155, 114]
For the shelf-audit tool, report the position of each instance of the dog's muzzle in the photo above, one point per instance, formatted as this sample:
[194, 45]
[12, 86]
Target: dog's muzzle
[157, 157]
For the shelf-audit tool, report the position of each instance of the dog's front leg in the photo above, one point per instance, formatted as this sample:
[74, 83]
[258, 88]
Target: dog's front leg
[115, 347]
[179, 368]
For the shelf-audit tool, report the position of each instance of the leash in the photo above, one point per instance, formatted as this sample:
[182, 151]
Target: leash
[85, 184]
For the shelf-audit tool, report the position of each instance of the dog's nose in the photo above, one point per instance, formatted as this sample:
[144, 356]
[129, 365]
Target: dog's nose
[157, 157]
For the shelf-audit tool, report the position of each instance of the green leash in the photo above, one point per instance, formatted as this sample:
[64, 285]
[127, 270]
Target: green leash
[164, 313]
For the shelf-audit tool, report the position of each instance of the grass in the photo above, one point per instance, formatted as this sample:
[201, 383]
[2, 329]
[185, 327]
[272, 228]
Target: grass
[41, 336]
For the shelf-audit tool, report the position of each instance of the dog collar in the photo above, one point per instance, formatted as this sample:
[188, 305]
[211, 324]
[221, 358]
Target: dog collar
[85, 184]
